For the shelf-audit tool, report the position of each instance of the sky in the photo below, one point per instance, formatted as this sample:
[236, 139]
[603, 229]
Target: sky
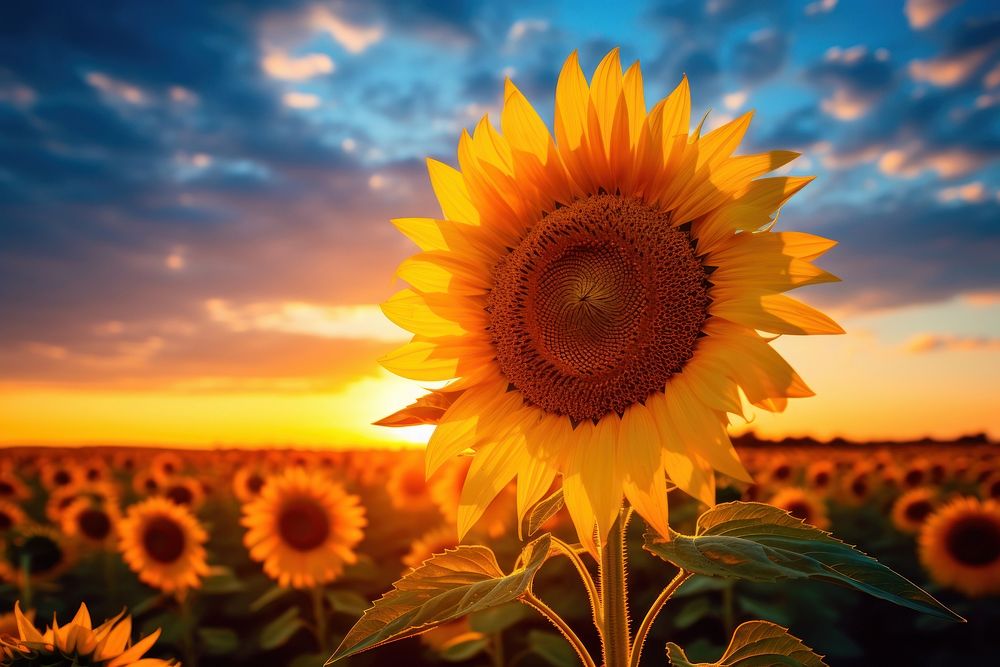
[195, 196]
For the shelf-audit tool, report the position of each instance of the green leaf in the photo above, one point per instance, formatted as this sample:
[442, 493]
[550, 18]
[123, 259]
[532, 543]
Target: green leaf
[759, 542]
[221, 581]
[269, 596]
[544, 510]
[692, 612]
[756, 644]
[497, 619]
[552, 648]
[459, 582]
[280, 630]
[218, 641]
[308, 660]
[348, 602]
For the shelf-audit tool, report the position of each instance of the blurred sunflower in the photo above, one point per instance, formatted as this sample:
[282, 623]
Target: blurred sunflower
[857, 487]
[990, 487]
[407, 486]
[166, 464]
[11, 516]
[819, 475]
[447, 636]
[185, 491]
[912, 508]
[78, 643]
[802, 505]
[56, 473]
[12, 488]
[146, 483]
[303, 528]
[960, 546]
[436, 541]
[596, 298]
[247, 483]
[163, 543]
[92, 522]
[35, 553]
[915, 473]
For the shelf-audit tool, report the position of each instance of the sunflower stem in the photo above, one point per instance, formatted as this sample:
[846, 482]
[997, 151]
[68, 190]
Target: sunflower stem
[555, 619]
[319, 614]
[588, 580]
[614, 595]
[654, 610]
[187, 632]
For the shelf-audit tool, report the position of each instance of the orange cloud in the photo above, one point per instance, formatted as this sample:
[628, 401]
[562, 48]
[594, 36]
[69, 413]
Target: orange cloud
[352, 37]
[359, 322]
[930, 342]
[119, 90]
[280, 65]
[923, 13]
[297, 100]
[949, 70]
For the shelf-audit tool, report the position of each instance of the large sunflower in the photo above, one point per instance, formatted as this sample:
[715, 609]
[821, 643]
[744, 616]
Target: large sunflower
[78, 643]
[595, 300]
[164, 544]
[304, 528]
[960, 546]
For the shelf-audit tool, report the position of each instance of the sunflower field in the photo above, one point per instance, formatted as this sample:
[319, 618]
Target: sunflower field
[270, 557]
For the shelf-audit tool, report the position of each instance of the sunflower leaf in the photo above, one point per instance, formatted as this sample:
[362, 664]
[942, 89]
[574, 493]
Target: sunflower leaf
[544, 510]
[754, 644]
[446, 587]
[758, 542]
[280, 630]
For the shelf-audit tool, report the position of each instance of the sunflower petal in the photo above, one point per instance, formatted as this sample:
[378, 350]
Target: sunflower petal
[449, 187]
[677, 455]
[776, 313]
[640, 461]
[493, 467]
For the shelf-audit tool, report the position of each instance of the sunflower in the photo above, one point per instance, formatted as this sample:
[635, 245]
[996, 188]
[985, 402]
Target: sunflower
[79, 643]
[779, 472]
[63, 497]
[12, 488]
[913, 507]
[819, 475]
[802, 505]
[57, 474]
[11, 516]
[183, 491]
[596, 297]
[436, 541]
[990, 487]
[164, 544]
[915, 474]
[247, 483]
[35, 553]
[857, 487]
[303, 528]
[407, 486]
[960, 546]
[166, 464]
[92, 522]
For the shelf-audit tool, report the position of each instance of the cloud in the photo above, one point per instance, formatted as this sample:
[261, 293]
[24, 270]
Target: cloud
[352, 37]
[298, 100]
[358, 322]
[116, 90]
[924, 13]
[912, 160]
[820, 7]
[932, 342]
[733, 101]
[854, 78]
[970, 192]
[281, 65]
[970, 47]
[523, 28]
[760, 56]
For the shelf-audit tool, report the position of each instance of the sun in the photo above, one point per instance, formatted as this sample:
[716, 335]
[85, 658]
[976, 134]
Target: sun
[594, 300]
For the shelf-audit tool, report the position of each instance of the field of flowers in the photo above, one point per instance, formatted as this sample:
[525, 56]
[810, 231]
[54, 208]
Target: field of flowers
[269, 557]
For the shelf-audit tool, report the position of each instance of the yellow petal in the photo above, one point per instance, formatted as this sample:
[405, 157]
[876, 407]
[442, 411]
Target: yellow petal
[137, 650]
[25, 628]
[605, 89]
[635, 98]
[640, 461]
[571, 121]
[776, 313]
[433, 315]
[599, 472]
[677, 454]
[533, 480]
[436, 271]
[577, 501]
[493, 467]
[457, 430]
[721, 142]
[703, 429]
[437, 359]
[449, 187]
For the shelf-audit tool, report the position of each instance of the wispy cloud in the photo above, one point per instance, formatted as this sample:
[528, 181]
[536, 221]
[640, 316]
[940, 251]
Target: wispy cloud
[930, 342]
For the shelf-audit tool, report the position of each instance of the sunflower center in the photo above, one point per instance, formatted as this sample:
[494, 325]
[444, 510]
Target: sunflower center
[61, 478]
[914, 477]
[919, 510]
[597, 307]
[822, 478]
[94, 523]
[42, 554]
[6, 489]
[180, 495]
[974, 541]
[255, 483]
[303, 525]
[163, 540]
[6, 521]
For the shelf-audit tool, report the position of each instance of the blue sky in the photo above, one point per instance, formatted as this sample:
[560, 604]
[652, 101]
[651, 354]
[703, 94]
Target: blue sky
[174, 175]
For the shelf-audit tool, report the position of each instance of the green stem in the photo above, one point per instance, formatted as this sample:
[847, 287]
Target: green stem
[187, 625]
[727, 608]
[319, 615]
[588, 581]
[529, 599]
[614, 595]
[654, 610]
[496, 645]
[25, 581]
